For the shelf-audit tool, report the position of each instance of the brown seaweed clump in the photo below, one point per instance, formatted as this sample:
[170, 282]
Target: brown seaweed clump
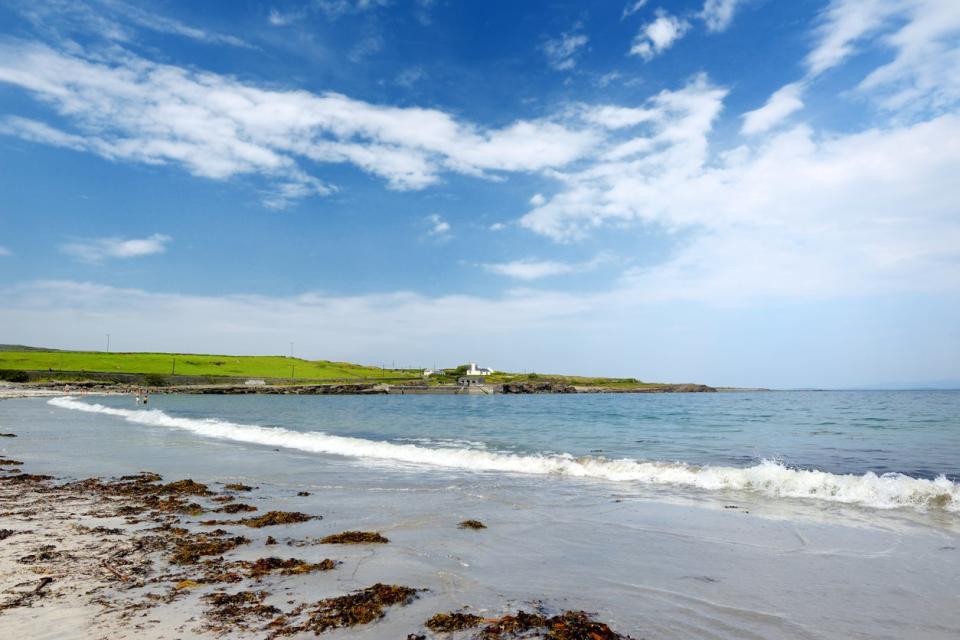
[289, 567]
[448, 622]
[355, 537]
[233, 611]
[360, 607]
[268, 519]
[8, 435]
[236, 508]
[190, 548]
[471, 524]
[236, 486]
[185, 488]
[8, 462]
[569, 625]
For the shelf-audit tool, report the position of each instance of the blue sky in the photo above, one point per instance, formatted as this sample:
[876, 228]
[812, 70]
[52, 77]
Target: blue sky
[739, 192]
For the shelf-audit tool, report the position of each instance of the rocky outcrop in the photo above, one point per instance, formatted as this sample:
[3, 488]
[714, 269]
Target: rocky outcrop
[537, 387]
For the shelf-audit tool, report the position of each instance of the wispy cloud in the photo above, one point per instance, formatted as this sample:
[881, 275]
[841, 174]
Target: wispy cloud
[4, 252]
[438, 227]
[338, 8]
[632, 7]
[124, 107]
[115, 20]
[532, 269]
[562, 51]
[100, 249]
[718, 14]
[659, 35]
[782, 103]
[410, 76]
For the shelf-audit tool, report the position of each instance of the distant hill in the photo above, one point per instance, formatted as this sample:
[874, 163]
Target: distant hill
[20, 347]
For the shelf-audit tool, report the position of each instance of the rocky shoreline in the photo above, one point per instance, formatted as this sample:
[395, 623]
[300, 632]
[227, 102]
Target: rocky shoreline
[525, 387]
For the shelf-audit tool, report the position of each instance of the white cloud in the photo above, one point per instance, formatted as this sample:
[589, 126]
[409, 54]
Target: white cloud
[782, 103]
[283, 18]
[659, 35]
[537, 199]
[718, 14]
[337, 8]
[100, 249]
[530, 269]
[562, 52]
[632, 7]
[411, 76]
[114, 20]
[926, 47]
[843, 24]
[438, 226]
[4, 252]
[497, 226]
[672, 145]
[123, 107]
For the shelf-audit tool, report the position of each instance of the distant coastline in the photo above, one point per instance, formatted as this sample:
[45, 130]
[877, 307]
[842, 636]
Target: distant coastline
[108, 372]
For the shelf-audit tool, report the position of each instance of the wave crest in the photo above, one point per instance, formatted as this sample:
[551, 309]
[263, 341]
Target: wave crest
[773, 479]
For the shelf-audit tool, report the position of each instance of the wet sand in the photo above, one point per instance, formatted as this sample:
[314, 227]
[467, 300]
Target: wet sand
[134, 557]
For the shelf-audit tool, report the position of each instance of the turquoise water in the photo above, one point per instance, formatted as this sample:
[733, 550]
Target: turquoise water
[874, 449]
[912, 432]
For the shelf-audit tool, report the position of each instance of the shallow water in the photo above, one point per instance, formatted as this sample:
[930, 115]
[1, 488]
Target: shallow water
[639, 532]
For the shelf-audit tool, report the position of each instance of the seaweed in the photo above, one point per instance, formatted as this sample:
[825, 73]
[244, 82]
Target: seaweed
[232, 611]
[236, 508]
[355, 537]
[8, 461]
[185, 487]
[270, 541]
[190, 548]
[223, 499]
[236, 486]
[8, 435]
[173, 504]
[471, 524]
[24, 478]
[454, 621]
[303, 493]
[360, 607]
[289, 567]
[268, 519]
[569, 625]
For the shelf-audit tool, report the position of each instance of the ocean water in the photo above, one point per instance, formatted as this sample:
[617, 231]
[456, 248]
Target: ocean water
[740, 515]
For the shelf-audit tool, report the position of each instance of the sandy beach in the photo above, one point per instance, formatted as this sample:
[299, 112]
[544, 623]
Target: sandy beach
[116, 559]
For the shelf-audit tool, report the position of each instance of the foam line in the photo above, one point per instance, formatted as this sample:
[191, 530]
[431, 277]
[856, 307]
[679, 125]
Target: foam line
[887, 491]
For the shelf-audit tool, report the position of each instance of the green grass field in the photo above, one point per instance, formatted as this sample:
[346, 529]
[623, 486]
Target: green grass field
[196, 365]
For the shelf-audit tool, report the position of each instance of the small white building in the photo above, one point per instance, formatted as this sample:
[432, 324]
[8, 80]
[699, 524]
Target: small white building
[253, 382]
[474, 375]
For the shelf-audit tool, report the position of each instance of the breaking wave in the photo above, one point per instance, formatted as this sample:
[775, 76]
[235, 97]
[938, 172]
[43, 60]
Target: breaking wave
[887, 491]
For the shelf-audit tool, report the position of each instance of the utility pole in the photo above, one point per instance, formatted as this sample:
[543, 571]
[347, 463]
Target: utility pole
[293, 375]
[108, 343]
[173, 370]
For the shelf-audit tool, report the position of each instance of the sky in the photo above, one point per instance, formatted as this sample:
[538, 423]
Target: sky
[731, 192]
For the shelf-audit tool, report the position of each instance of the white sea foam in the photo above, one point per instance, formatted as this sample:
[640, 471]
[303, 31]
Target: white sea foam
[771, 478]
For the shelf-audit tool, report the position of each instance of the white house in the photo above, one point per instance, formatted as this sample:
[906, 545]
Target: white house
[474, 375]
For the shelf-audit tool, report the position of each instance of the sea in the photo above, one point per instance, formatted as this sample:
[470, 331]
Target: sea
[794, 514]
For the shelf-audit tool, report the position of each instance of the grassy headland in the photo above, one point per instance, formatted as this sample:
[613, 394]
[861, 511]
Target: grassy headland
[160, 369]
[184, 364]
